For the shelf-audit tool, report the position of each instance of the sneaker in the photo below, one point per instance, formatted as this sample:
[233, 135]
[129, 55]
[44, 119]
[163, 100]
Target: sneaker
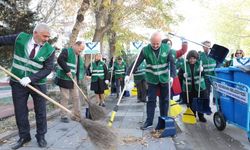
[65, 119]
[146, 126]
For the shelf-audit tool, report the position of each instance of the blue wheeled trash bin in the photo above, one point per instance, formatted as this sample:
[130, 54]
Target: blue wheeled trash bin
[232, 93]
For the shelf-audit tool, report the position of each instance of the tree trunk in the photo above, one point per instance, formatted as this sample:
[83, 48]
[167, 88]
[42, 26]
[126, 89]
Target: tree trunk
[112, 42]
[79, 20]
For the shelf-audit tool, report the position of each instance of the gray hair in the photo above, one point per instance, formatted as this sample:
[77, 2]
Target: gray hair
[155, 34]
[42, 27]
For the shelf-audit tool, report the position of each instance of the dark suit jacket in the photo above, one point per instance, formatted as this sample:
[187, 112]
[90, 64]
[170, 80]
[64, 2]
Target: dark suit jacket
[47, 65]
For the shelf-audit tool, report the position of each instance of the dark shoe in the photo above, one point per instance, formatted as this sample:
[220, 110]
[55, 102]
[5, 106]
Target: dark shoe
[20, 142]
[202, 119]
[41, 142]
[103, 104]
[65, 119]
[146, 126]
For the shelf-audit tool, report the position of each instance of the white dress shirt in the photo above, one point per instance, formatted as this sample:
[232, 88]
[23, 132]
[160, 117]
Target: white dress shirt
[30, 46]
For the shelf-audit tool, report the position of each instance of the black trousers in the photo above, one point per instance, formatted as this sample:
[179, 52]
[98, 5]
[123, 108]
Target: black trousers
[141, 90]
[20, 97]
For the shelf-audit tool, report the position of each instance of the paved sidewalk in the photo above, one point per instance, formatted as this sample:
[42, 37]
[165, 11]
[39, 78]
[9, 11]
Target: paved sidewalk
[71, 136]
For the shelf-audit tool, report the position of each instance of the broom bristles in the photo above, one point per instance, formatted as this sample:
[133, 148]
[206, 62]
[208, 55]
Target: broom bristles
[100, 135]
[97, 112]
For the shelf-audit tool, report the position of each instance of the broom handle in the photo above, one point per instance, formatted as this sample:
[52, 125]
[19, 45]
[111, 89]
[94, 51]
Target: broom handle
[37, 91]
[130, 74]
[112, 72]
[185, 67]
[188, 40]
[85, 97]
[199, 90]
[169, 89]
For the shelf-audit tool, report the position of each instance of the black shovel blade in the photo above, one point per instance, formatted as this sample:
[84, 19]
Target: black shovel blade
[218, 53]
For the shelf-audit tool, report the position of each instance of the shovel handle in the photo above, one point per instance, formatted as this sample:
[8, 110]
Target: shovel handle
[185, 67]
[199, 90]
[37, 91]
[188, 40]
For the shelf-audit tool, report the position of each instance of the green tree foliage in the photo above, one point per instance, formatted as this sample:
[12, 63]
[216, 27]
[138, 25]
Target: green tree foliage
[15, 17]
[231, 24]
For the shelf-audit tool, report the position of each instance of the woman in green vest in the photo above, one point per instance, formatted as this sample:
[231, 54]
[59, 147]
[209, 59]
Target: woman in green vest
[99, 78]
[193, 69]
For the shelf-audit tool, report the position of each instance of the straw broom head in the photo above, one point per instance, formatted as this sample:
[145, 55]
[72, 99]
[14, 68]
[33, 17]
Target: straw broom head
[97, 112]
[100, 135]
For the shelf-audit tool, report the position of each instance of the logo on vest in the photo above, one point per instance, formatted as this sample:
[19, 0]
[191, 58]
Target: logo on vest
[41, 59]
[164, 54]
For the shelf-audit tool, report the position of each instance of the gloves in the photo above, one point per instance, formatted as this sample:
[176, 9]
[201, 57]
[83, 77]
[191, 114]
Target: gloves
[25, 81]
[171, 81]
[201, 68]
[185, 75]
[183, 40]
[126, 79]
[107, 82]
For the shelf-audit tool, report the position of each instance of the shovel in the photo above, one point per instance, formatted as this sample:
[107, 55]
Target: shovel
[101, 136]
[201, 104]
[188, 117]
[218, 52]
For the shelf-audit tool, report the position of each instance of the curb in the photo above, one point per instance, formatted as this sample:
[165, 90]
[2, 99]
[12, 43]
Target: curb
[7, 135]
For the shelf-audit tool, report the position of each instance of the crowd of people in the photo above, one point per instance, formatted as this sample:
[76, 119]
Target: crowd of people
[33, 62]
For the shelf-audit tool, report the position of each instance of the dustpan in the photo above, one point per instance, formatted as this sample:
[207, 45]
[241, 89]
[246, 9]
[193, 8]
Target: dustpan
[167, 123]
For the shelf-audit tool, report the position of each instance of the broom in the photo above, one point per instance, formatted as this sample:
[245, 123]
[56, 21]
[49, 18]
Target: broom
[97, 112]
[174, 109]
[101, 136]
[188, 116]
[115, 109]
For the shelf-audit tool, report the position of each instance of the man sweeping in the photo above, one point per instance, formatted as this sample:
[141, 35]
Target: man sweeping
[71, 66]
[32, 62]
[158, 58]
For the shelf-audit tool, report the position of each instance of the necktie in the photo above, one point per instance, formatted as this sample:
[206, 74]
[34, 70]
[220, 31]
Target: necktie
[33, 51]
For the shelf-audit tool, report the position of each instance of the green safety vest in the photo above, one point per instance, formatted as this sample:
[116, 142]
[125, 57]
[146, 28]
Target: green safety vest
[179, 63]
[119, 70]
[97, 71]
[196, 78]
[140, 72]
[208, 63]
[22, 65]
[157, 68]
[71, 63]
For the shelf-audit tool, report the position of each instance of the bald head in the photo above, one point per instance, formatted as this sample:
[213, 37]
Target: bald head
[155, 40]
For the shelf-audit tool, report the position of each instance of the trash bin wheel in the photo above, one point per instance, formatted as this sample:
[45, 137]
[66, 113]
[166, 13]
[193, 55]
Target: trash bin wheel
[219, 121]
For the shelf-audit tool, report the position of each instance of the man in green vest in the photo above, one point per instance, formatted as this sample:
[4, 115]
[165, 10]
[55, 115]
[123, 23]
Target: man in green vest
[32, 63]
[141, 84]
[70, 66]
[209, 65]
[158, 57]
[119, 71]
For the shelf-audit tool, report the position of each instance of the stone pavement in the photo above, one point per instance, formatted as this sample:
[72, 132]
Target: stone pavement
[130, 116]
[71, 136]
